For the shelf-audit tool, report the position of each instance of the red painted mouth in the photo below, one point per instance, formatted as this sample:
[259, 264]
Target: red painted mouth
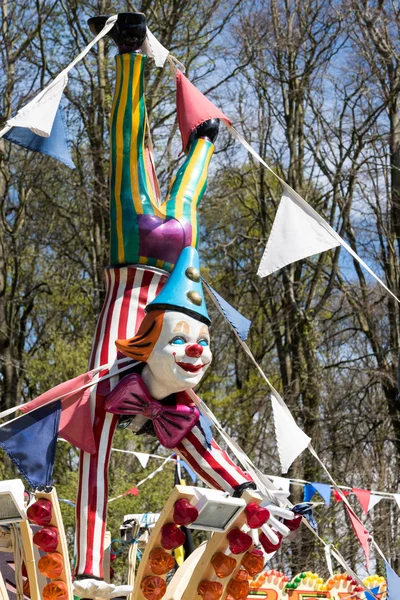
[189, 367]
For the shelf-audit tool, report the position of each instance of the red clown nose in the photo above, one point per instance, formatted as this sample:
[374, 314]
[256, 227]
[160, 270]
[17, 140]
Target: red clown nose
[194, 350]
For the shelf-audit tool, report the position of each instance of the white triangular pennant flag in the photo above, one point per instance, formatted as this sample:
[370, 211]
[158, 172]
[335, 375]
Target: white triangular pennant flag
[154, 49]
[313, 216]
[290, 439]
[39, 114]
[397, 498]
[328, 559]
[295, 234]
[142, 458]
[373, 501]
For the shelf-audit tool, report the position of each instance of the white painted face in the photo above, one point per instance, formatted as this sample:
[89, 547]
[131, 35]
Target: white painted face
[180, 356]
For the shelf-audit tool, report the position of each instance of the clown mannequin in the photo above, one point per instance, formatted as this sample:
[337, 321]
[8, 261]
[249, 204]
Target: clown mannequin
[160, 322]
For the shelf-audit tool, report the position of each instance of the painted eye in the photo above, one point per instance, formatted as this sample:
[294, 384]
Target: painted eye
[203, 342]
[178, 341]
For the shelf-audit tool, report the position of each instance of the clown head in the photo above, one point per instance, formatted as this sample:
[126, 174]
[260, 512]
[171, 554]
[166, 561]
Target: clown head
[173, 338]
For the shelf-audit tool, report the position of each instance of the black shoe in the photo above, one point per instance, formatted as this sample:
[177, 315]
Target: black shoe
[129, 31]
[208, 129]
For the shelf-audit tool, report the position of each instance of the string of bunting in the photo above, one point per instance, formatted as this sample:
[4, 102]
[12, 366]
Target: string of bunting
[367, 498]
[143, 459]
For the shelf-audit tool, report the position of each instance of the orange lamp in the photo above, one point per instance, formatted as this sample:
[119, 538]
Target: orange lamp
[210, 590]
[27, 591]
[223, 564]
[239, 587]
[161, 562]
[51, 565]
[153, 587]
[55, 590]
[253, 562]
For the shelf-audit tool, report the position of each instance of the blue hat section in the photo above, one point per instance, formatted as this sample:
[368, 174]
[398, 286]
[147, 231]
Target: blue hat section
[55, 146]
[183, 291]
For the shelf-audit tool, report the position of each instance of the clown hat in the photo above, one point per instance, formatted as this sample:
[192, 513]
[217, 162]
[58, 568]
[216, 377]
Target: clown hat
[183, 291]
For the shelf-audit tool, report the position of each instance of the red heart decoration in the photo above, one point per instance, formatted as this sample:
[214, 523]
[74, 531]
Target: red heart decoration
[172, 537]
[184, 512]
[256, 515]
[239, 541]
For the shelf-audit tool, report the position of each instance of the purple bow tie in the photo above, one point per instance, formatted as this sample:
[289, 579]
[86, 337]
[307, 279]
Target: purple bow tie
[171, 423]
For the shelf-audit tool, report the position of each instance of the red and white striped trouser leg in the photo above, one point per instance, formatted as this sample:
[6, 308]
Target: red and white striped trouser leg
[129, 289]
[212, 465]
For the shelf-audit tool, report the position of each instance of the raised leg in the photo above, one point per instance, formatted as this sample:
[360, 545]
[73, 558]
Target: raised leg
[188, 188]
[131, 193]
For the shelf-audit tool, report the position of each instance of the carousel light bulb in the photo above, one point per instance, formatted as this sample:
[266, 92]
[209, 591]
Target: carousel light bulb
[223, 565]
[55, 590]
[161, 562]
[51, 565]
[184, 512]
[26, 590]
[153, 587]
[239, 541]
[268, 545]
[40, 512]
[210, 590]
[253, 562]
[172, 537]
[256, 515]
[239, 587]
[46, 539]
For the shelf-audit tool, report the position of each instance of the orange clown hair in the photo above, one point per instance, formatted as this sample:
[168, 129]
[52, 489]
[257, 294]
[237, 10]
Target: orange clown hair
[141, 345]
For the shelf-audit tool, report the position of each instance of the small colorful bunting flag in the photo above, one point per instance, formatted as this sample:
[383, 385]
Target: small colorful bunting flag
[373, 592]
[193, 108]
[393, 583]
[361, 533]
[75, 417]
[323, 490]
[239, 323]
[39, 114]
[30, 441]
[363, 498]
[338, 497]
[133, 491]
[142, 458]
[189, 471]
[290, 439]
[295, 234]
[56, 145]
[373, 501]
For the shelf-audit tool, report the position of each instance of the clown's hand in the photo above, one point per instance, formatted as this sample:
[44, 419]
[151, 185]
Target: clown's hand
[95, 588]
[274, 525]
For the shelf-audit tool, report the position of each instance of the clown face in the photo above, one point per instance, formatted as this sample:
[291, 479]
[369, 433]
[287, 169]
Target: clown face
[180, 356]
